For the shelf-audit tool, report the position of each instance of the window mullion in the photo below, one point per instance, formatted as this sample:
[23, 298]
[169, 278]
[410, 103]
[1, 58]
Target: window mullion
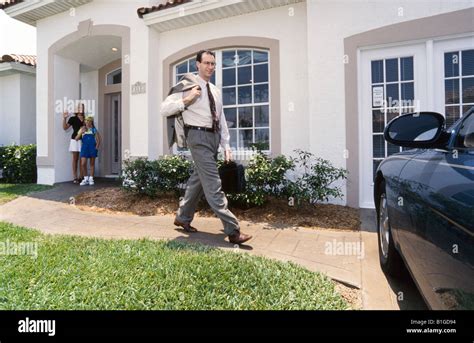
[218, 70]
[252, 82]
[237, 114]
[460, 84]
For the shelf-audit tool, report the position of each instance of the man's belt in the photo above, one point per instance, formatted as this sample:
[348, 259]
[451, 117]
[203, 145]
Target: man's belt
[201, 128]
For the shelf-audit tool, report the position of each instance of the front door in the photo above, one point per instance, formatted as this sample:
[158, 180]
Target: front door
[393, 82]
[116, 129]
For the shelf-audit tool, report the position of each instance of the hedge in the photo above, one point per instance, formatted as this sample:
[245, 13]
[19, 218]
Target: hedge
[18, 163]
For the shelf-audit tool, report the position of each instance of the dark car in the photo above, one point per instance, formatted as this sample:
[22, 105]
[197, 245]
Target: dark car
[424, 198]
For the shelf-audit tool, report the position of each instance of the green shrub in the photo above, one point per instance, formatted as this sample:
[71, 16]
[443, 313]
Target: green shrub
[264, 177]
[314, 179]
[173, 171]
[140, 176]
[2, 154]
[18, 163]
[167, 174]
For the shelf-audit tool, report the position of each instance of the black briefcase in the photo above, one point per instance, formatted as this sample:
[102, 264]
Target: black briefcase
[232, 177]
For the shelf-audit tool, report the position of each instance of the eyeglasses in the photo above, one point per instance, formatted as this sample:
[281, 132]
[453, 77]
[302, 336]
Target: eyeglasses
[212, 64]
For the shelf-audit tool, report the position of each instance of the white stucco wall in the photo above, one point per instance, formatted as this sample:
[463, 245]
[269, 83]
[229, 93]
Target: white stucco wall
[46, 175]
[28, 109]
[329, 22]
[90, 95]
[155, 141]
[66, 85]
[276, 23]
[10, 109]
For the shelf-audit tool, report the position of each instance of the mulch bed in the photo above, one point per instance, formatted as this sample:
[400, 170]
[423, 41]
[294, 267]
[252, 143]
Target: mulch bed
[276, 212]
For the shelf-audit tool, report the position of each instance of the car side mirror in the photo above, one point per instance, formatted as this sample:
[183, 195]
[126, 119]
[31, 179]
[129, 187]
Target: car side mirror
[416, 130]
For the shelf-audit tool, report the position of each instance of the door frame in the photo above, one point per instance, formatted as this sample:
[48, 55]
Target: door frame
[115, 167]
[418, 51]
[105, 90]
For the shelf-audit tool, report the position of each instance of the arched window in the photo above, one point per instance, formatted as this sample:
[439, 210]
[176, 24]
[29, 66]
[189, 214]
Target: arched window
[114, 77]
[242, 74]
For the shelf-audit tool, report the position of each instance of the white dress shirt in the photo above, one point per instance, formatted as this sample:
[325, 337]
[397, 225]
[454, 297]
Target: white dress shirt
[198, 113]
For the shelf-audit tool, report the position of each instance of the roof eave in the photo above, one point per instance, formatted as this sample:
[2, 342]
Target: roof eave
[31, 11]
[199, 11]
[8, 68]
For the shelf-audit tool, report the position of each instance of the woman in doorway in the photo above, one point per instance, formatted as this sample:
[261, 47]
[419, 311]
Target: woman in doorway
[76, 121]
[90, 144]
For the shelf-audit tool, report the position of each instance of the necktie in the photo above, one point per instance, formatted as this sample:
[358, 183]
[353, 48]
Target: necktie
[212, 104]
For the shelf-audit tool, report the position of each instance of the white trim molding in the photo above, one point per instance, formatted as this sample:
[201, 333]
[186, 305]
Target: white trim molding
[31, 11]
[8, 68]
[202, 11]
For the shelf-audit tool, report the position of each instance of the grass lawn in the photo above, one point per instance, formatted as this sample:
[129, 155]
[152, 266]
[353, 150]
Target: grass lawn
[81, 273]
[9, 191]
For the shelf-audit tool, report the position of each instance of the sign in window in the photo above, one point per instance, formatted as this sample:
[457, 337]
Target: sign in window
[393, 94]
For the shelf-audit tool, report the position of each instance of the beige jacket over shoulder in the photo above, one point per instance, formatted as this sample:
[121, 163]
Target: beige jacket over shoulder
[196, 114]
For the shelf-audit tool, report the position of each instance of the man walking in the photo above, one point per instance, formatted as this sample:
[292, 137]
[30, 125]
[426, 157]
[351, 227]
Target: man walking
[205, 127]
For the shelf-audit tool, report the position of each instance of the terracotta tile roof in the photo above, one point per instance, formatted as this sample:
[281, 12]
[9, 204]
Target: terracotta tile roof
[145, 10]
[7, 3]
[24, 59]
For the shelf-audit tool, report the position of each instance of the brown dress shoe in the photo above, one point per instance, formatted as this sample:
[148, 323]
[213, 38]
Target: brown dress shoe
[239, 238]
[186, 226]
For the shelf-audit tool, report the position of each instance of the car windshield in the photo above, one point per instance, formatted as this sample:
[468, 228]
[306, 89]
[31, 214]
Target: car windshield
[465, 137]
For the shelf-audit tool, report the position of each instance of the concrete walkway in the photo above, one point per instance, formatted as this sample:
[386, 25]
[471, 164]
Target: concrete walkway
[378, 291]
[338, 254]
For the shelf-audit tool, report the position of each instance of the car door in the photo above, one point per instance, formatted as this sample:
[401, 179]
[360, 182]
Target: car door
[440, 202]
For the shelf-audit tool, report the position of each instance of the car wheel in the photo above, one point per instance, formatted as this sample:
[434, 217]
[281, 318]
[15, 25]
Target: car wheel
[390, 259]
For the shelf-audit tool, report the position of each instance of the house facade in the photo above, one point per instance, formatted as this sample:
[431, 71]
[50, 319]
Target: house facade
[17, 99]
[321, 76]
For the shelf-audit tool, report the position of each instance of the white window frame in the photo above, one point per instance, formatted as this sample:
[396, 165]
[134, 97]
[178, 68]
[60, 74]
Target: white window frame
[110, 72]
[439, 49]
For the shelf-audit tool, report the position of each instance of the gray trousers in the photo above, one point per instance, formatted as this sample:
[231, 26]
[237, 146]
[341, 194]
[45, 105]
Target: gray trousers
[205, 179]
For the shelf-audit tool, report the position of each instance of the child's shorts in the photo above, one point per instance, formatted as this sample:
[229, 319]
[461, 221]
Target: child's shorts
[88, 151]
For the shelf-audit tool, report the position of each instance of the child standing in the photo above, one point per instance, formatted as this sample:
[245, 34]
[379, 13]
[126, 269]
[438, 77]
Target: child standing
[90, 144]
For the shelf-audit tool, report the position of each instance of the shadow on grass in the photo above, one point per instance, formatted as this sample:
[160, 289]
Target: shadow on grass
[21, 189]
[178, 245]
[209, 240]
[9, 191]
